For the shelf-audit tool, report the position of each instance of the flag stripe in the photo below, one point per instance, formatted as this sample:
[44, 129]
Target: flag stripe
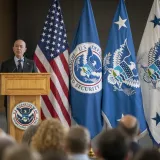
[42, 114]
[65, 62]
[44, 66]
[57, 109]
[45, 111]
[63, 71]
[63, 109]
[49, 106]
[54, 89]
[59, 76]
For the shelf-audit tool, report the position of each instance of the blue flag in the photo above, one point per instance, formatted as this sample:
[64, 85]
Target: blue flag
[121, 86]
[86, 73]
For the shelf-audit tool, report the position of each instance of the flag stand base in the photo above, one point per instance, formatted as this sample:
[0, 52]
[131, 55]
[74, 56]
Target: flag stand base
[91, 153]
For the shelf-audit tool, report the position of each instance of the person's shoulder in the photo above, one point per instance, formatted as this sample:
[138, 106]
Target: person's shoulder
[28, 60]
[134, 147]
[8, 61]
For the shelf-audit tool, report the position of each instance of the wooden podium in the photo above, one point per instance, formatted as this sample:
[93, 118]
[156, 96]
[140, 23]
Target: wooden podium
[23, 87]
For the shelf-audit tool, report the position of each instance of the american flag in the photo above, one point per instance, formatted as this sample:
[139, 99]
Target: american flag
[51, 56]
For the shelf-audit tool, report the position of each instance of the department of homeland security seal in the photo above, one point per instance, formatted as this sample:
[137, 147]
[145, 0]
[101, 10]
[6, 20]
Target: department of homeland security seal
[86, 68]
[25, 114]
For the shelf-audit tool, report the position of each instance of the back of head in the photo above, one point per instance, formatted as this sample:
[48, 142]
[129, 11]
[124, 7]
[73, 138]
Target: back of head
[5, 142]
[113, 145]
[54, 155]
[147, 154]
[20, 152]
[29, 133]
[129, 125]
[50, 135]
[78, 140]
[2, 133]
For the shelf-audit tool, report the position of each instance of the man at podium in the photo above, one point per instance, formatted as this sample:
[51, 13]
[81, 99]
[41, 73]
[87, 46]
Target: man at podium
[18, 63]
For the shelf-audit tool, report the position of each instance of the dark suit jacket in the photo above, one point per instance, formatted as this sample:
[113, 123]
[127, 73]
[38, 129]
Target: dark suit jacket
[134, 147]
[9, 66]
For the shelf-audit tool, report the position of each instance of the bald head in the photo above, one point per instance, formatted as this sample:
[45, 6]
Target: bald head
[129, 125]
[20, 41]
[129, 121]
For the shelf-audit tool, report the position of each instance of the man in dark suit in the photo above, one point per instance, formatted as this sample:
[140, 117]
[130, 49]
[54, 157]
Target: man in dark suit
[130, 126]
[18, 63]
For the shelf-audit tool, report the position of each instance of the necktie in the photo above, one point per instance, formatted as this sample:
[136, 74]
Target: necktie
[19, 69]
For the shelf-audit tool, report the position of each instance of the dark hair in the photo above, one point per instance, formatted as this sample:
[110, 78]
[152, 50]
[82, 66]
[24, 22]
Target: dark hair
[113, 145]
[148, 154]
[131, 132]
[78, 139]
[54, 155]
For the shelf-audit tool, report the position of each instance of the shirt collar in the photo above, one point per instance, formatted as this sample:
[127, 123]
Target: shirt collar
[16, 59]
[80, 156]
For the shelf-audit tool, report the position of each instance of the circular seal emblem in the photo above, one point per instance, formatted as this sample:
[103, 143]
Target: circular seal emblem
[86, 68]
[25, 114]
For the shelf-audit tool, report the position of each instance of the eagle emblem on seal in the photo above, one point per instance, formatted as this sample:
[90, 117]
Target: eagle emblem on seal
[152, 69]
[121, 70]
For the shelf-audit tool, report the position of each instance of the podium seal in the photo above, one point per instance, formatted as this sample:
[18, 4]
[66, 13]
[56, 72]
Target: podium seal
[25, 114]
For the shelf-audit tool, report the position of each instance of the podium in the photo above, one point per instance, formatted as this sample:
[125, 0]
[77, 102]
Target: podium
[23, 87]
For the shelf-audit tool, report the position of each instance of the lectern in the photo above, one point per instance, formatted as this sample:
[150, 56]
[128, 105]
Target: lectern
[26, 87]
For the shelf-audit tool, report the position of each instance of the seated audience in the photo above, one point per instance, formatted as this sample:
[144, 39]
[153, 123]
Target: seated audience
[20, 152]
[112, 145]
[129, 125]
[147, 154]
[54, 155]
[5, 142]
[49, 136]
[78, 143]
[2, 133]
[29, 133]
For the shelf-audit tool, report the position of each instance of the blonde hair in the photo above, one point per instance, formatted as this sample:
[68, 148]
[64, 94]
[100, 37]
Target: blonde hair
[50, 135]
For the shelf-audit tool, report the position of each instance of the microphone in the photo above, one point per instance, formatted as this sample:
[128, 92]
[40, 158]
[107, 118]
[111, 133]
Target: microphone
[14, 69]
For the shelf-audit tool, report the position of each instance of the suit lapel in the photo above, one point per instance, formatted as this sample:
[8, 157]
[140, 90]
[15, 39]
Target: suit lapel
[25, 65]
[13, 66]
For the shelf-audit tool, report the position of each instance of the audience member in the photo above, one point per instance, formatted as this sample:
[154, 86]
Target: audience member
[29, 133]
[50, 135]
[20, 152]
[54, 155]
[147, 154]
[2, 133]
[129, 125]
[5, 141]
[113, 145]
[78, 143]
